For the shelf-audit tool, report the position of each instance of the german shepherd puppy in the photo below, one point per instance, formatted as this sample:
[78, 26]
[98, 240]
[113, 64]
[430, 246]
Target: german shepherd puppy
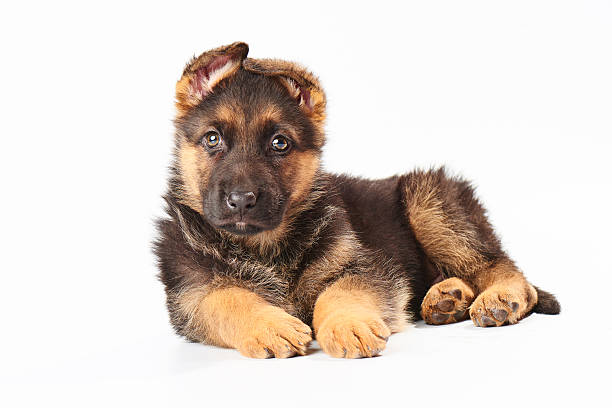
[262, 246]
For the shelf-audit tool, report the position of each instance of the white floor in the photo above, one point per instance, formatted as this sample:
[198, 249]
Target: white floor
[550, 360]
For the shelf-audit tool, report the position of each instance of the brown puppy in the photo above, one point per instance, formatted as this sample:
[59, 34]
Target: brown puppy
[261, 245]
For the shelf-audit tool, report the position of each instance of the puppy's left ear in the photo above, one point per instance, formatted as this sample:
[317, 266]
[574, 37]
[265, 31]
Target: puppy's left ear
[203, 74]
[302, 85]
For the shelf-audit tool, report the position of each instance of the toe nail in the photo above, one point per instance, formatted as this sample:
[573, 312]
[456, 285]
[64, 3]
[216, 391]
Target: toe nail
[499, 314]
[455, 293]
[514, 306]
[487, 321]
[446, 305]
[439, 317]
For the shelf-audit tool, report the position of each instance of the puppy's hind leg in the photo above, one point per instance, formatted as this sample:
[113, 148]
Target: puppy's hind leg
[506, 295]
[451, 226]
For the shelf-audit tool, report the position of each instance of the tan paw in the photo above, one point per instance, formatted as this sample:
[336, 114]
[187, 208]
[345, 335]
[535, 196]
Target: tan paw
[275, 333]
[350, 336]
[500, 305]
[447, 302]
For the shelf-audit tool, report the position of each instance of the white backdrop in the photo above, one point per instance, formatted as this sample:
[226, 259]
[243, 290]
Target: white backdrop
[516, 96]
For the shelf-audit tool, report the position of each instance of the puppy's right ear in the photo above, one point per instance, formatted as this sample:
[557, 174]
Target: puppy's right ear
[203, 73]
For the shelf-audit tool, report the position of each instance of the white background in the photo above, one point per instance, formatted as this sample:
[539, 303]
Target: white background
[516, 96]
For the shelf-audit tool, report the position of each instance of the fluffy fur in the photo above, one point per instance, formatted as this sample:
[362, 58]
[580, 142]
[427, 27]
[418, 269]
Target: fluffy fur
[351, 259]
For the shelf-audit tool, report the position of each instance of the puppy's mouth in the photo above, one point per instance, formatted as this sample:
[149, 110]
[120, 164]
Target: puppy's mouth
[241, 225]
[242, 228]
[251, 223]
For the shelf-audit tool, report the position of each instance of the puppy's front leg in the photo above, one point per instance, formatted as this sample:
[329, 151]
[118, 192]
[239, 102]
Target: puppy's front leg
[348, 320]
[238, 318]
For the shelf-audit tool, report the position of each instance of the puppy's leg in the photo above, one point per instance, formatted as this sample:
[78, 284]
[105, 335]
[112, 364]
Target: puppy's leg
[452, 228]
[238, 318]
[447, 302]
[349, 319]
[506, 296]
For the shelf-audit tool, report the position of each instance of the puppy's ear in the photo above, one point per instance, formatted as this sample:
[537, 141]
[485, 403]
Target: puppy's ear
[203, 73]
[302, 85]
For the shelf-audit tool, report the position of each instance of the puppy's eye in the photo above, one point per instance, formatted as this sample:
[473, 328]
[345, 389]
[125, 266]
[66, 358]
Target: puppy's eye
[280, 143]
[211, 139]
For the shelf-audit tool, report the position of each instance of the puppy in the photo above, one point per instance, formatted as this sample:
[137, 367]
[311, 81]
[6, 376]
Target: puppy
[261, 247]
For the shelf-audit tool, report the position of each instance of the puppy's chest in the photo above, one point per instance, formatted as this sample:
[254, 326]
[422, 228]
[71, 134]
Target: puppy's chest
[291, 280]
[274, 275]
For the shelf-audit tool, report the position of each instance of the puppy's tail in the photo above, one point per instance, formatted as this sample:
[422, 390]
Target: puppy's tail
[547, 303]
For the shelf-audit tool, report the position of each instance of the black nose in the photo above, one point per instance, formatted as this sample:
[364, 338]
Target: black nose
[241, 201]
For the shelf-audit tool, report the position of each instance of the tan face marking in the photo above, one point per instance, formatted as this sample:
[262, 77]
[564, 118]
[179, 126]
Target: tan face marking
[194, 168]
[270, 113]
[300, 168]
[233, 115]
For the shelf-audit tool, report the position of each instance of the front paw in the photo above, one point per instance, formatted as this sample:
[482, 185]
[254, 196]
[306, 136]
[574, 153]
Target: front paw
[345, 336]
[275, 334]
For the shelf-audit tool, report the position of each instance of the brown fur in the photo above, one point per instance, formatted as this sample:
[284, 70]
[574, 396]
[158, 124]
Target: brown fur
[451, 226]
[348, 320]
[194, 168]
[315, 109]
[238, 318]
[232, 114]
[447, 302]
[302, 169]
[447, 236]
[502, 287]
[185, 99]
[355, 259]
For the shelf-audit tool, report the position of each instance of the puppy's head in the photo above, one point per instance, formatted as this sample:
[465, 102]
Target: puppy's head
[248, 140]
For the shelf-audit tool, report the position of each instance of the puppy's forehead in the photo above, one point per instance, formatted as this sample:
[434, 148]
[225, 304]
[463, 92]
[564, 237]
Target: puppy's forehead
[239, 113]
[255, 95]
[229, 112]
[247, 104]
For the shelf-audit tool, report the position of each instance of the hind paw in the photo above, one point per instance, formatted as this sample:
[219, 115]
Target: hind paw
[497, 306]
[447, 302]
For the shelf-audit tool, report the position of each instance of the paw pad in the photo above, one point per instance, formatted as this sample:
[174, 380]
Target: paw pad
[447, 302]
[446, 305]
[493, 309]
